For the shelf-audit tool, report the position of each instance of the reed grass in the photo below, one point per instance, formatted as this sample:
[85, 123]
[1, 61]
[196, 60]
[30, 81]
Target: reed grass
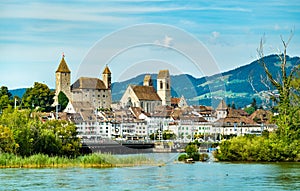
[92, 160]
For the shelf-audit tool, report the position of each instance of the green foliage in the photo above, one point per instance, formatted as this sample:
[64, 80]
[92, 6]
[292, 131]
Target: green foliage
[249, 110]
[63, 100]
[253, 104]
[7, 141]
[168, 135]
[5, 97]
[183, 157]
[192, 152]
[39, 96]
[282, 145]
[258, 148]
[93, 160]
[31, 136]
[203, 157]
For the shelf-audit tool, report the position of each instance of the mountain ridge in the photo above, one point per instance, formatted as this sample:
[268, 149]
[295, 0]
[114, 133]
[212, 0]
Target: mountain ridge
[205, 90]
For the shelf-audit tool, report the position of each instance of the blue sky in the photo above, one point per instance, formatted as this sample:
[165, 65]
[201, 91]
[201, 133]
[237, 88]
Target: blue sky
[34, 34]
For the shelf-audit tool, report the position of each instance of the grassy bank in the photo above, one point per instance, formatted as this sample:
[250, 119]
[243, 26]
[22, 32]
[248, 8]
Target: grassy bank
[92, 160]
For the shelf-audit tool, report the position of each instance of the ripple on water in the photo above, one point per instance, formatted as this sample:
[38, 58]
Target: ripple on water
[198, 176]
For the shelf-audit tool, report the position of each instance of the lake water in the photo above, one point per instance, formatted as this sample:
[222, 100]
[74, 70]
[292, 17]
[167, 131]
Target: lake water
[172, 176]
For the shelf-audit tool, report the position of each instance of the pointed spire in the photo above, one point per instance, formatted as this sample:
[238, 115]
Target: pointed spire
[106, 70]
[63, 67]
[222, 105]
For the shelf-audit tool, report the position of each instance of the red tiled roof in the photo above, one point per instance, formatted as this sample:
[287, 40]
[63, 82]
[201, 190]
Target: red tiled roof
[175, 100]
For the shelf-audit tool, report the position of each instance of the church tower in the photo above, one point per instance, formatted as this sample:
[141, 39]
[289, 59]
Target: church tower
[63, 80]
[222, 110]
[106, 77]
[148, 80]
[164, 87]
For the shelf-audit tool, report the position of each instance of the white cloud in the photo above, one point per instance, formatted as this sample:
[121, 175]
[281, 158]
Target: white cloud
[167, 41]
[215, 35]
[92, 12]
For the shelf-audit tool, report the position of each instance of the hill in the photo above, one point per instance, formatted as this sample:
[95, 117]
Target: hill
[18, 92]
[206, 90]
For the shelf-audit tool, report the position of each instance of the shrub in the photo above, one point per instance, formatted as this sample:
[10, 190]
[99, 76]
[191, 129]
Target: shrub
[182, 157]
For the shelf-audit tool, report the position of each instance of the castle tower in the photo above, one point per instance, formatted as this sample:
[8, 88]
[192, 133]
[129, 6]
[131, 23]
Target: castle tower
[164, 87]
[222, 110]
[148, 80]
[63, 80]
[106, 77]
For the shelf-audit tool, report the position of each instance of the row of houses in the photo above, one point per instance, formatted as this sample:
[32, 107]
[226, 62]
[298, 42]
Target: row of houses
[145, 111]
[185, 123]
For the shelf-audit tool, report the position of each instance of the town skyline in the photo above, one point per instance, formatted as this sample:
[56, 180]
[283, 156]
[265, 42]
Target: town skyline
[36, 34]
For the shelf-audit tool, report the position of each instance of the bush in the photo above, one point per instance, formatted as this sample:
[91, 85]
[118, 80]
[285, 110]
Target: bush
[182, 157]
[248, 148]
[203, 157]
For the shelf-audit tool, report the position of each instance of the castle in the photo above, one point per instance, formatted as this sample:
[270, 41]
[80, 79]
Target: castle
[85, 89]
[97, 92]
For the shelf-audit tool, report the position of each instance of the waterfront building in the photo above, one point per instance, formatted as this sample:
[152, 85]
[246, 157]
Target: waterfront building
[236, 122]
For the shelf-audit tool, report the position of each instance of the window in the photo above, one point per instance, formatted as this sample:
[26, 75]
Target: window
[161, 85]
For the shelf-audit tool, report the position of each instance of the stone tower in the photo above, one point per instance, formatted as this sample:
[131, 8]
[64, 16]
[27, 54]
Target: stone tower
[148, 80]
[63, 80]
[164, 87]
[106, 77]
[222, 110]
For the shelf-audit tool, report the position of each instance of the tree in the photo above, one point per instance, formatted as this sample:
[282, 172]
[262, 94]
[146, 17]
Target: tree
[168, 135]
[63, 100]
[22, 132]
[254, 104]
[7, 141]
[233, 106]
[282, 145]
[288, 112]
[249, 110]
[5, 97]
[64, 135]
[38, 96]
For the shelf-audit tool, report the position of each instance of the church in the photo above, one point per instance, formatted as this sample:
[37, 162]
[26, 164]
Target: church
[146, 96]
[85, 89]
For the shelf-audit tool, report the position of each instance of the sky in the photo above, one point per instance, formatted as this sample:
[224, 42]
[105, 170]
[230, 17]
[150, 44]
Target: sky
[138, 36]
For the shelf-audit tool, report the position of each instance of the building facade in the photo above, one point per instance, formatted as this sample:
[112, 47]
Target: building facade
[85, 89]
[62, 80]
[164, 87]
[141, 96]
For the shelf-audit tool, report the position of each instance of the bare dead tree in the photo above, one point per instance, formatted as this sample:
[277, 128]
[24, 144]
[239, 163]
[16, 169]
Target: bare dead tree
[283, 83]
